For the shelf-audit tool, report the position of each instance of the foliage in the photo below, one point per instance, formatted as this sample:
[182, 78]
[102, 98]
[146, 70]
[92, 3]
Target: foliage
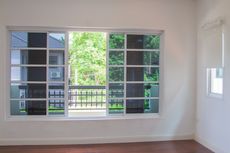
[116, 41]
[116, 57]
[87, 57]
[152, 42]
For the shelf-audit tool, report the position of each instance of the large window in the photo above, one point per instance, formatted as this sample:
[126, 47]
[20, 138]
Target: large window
[122, 75]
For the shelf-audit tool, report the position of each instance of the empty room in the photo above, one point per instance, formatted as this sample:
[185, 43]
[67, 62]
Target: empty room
[114, 76]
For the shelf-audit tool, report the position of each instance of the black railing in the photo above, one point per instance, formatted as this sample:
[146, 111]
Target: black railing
[79, 97]
[87, 97]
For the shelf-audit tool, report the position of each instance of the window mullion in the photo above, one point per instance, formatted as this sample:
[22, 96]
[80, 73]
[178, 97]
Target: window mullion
[47, 75]
[125, 77]
[66, 73]
[107, 74]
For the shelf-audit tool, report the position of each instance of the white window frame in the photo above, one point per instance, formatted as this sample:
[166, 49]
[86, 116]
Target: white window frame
[66, 31]
[47, 66]
[209, 75]
[125, 66]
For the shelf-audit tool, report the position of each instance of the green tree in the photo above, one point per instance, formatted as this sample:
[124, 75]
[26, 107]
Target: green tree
[87, 58]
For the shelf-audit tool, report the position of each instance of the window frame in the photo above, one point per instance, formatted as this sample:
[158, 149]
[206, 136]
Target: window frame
[209, 91]
[125, 65]
[66, 31]
[47, 66]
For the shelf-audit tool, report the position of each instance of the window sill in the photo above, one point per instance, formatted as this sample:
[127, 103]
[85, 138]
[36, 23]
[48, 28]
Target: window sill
[45, 118]
[214, 95]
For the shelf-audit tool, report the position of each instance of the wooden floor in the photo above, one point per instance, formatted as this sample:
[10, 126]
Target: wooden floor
[187, 146]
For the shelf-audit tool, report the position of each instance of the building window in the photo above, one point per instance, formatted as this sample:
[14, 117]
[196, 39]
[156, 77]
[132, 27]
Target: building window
[215, 82]
[45, 74]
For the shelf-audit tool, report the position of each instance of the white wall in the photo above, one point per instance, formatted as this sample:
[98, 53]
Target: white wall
[213, 121]
[175, 17]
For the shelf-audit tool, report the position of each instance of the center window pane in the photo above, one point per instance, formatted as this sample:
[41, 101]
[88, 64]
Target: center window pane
[87, 73]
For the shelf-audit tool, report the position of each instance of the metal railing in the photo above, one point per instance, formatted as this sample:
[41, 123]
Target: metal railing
[79, 97]
[87, 97]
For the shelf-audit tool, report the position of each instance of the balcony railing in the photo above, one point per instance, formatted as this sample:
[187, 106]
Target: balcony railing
[87, 97]
[79, 97]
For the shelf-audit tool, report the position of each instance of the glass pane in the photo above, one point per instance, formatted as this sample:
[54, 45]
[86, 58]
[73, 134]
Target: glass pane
[116, 74]
[151, 106]
[116, 106]
[36, 73]
[28, 74]
[151, 42]
[36, 107]
[143, 42]
[151, 74]
[18, 107]
[151, 58]
[135, 106]
[18, 90]
[135, 74]
[216, 80]
[19, 39]
[56, 107]
[56, 74]
[116, 90]
[56, 40]
[28, 57]
[116, 58]
[142, 74]
[143, 58]
[37, 40]
[56, 90]
[28, 39]
[16, 57]
[142, 90]
[17, 73]
[142, 106]
[116, 41]
[28, 107]
[56, 57]
[135, 58]
[135, 41]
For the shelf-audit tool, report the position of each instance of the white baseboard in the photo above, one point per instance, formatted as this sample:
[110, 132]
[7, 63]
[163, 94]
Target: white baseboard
[91, 140]
[207, 144]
